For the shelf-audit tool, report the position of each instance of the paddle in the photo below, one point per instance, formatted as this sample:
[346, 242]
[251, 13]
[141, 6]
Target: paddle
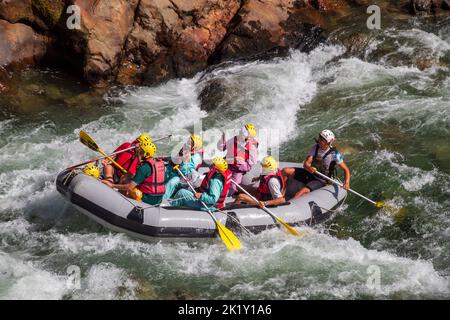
[91, 144]
[112, 154]
[275, 217]
[228, 237]
[378, 204]
[99, 158]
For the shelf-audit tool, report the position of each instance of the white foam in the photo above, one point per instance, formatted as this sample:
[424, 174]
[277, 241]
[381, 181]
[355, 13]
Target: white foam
[105, 281]
[25, 281]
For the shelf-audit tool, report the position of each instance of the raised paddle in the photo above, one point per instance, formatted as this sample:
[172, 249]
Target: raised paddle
[274, 216]
[99, 158]
[91, 144]
[112, 154]
[228, 237]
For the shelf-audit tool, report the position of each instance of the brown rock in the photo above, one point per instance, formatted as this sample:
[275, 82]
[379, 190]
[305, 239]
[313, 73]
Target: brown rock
[329, 5]
[20, 45]
[174, 38]
[267, 25]
[105, 26]
[41, 14]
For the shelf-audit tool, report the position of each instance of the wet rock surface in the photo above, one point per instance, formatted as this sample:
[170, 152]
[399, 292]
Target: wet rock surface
[145, 42]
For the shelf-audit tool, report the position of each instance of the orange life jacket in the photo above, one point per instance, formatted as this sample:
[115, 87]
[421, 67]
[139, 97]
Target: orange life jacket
[226, 184]
[154, 184]
[263, 188]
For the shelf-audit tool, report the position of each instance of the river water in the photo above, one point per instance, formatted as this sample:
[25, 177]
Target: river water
[392, 122]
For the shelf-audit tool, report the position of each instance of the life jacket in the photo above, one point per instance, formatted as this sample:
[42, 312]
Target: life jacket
[226, 184]
[318, 162]
[263, 188]
[127, 159]
[238, 152]
[201, 152]
[154, 184]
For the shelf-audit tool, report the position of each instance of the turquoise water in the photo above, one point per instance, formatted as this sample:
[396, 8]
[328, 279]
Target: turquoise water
[392, 122]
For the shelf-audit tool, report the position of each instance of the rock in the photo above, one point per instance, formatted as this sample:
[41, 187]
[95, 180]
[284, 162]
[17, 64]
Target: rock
[5, 78]
[445, 4]
[174, 38]
[105, 26]
[20, 45]
[329, 5]
[425, 6]
[269, 25]
[40, 14]
[50, 11]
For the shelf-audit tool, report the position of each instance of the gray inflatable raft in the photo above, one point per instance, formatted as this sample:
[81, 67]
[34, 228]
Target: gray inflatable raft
[140, 220]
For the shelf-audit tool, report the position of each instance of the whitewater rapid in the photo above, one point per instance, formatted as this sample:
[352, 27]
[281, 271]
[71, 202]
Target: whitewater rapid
[375, 108]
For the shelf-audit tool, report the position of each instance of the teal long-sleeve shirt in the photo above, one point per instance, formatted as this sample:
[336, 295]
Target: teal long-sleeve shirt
[185, 167]
[211, 196]
[191, 166]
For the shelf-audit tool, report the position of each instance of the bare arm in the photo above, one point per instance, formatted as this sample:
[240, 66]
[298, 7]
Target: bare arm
[128, 186]
[347, 174]
[307, 164]
[275, 202]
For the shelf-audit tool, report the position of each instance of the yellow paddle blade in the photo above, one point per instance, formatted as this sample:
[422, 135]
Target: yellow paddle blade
[399, 214]
[289, 228]
[228, 237]
[379, 204]
[88, 141]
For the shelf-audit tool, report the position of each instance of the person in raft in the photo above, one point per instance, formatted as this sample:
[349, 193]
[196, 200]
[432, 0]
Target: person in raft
[191, 156]
[242, 153]
[147, 185]
[212, 191]
[129, 160]
[271, 186]
[322, 157]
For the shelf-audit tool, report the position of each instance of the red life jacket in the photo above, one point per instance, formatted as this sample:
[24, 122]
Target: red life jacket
[226, 184]
[201, 154]
[128, 159]
[238, 152]
[263, 188]
[154, 184]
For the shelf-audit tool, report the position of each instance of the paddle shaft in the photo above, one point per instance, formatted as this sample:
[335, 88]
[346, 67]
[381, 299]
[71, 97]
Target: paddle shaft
[100, 158]
[110, 155]
[342, 186]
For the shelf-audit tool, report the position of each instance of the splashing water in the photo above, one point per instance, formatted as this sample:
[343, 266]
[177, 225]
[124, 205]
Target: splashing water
[392, 122]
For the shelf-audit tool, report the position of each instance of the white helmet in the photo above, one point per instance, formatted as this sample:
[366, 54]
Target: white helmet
[328, 136]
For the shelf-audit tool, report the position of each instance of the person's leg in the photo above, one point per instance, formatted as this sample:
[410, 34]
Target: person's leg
[171, 186]
[182, 198]
[237, 177]
[286, 173]
[301, 192]
[310, 186]
[243, 198]
[108, 173]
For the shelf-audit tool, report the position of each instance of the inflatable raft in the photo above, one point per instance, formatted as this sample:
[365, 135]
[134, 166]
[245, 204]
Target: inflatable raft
[140, 220]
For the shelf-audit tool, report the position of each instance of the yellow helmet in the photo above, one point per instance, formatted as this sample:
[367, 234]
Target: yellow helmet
[220, 163]
[149, 149]
[144, 138]
[251, 129]
[196, 141]
[92, 170]
[136, 194]
[269, 163]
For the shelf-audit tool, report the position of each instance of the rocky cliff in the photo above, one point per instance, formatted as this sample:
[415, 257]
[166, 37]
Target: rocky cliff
[149, 41]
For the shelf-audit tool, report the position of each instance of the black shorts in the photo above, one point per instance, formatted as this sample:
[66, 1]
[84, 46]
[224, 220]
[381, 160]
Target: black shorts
[307, 178]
